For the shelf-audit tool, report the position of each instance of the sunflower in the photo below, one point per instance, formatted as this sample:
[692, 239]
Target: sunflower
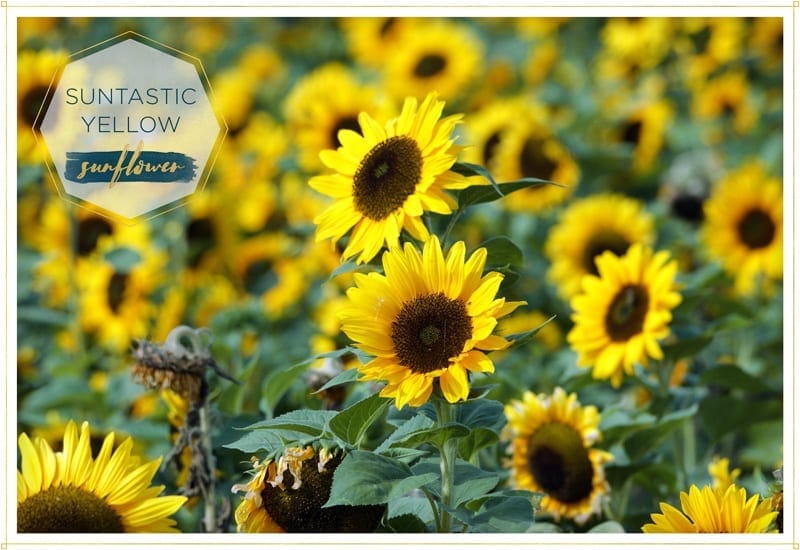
[766, 40]
[438, 55]
[589, 227]
[316, 116]
[428, 319]
[631, 45]
[70, 491]
[644, 130]
[528, 149]
[485, 126]
[744, 226]
[725, 97]
[551, 441]
[287, 496]
[372, 39]
[714, 511]
[623, 311]
[387, 177]
[35, 72]
[115, 301]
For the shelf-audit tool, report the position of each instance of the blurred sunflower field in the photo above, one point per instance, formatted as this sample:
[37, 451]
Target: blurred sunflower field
[447, 275]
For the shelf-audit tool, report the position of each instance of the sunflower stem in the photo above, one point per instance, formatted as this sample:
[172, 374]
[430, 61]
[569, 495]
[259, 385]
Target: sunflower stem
[209, 515]
[445, 413]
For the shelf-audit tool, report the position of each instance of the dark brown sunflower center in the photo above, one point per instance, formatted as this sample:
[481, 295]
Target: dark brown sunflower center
[625, 316]
[756, 229]
[116, 290]
[344, 123]
[200, 239]
[67, 510]
[429, 330]
[387, 26]
[599, 243]
[688, 207]
[386, 176]
[632, 131]
[31, 102]
[533, 163]
[89, 232]
[430, 65]
[300, 510]
[489, 147]
[560, 463]
[259, 277]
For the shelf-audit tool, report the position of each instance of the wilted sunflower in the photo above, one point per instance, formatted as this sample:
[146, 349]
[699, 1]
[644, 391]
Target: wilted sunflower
[587, 228]
[551, 438]
[710, 511]
[624, 311]
[71, 492]
[439, 55]
[744, 226]
[386, 178]
[427, 320]
[286, 496]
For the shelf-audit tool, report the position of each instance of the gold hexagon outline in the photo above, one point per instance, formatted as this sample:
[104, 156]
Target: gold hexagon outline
[205, 175]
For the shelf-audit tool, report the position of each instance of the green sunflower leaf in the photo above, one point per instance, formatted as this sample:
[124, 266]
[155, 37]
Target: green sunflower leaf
[469, 481]
[688, 347]
[503, 515]
[365, 478]
[733, 377]
[643, 441]
[501, 251]
[297, 424]
[343, 377]
[352, 423]
[350, 266]
[721, 415]
[419, 507]
[479, 194]
[276, 383]
[477, 439]
[481, 413]
[521, 338]
[413, 425]
[257, 440]
[437, 435]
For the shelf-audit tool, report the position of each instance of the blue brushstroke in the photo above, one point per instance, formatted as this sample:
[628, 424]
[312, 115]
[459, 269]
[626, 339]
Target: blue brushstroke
[153, 167]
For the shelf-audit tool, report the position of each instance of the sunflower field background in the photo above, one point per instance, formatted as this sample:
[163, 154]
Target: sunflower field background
[592, 206]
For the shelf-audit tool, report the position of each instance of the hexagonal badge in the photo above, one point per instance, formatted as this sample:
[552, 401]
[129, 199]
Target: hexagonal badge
[130, 127]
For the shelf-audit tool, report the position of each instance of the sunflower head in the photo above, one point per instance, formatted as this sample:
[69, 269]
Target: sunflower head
[714, 511]
[71, 491]
[387, 176]
[287, 494]
[428, 320]
[551, 443]
[743, 227]
[589, 227]
[623, 312]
